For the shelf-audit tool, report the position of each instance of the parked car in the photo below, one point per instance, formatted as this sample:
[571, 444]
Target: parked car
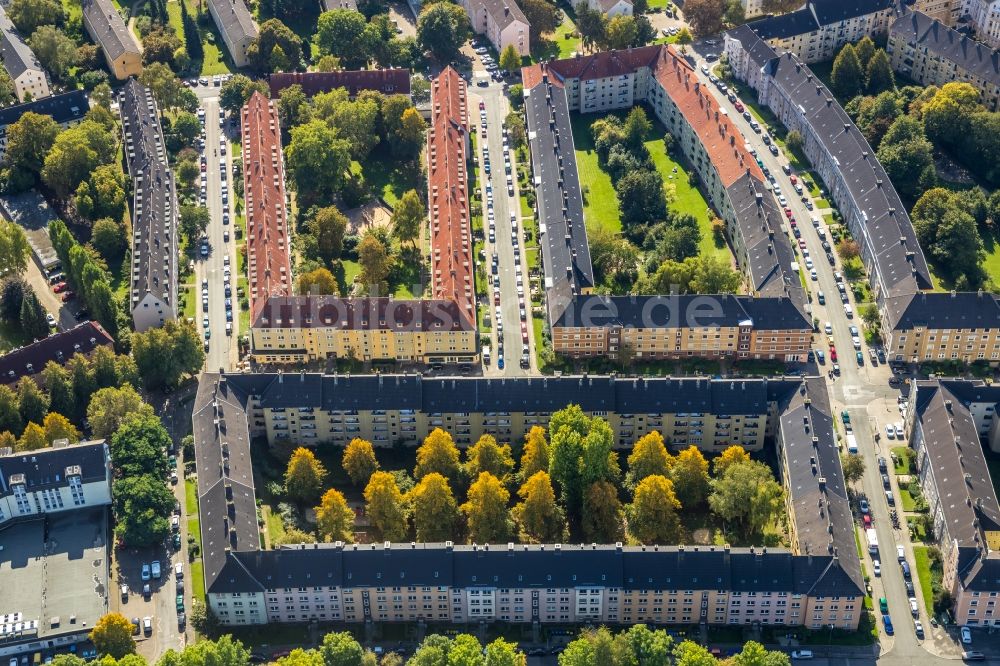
[966, 636]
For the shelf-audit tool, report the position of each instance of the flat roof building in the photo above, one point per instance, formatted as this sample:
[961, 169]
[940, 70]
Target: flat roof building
[154, 276]
[121, 48]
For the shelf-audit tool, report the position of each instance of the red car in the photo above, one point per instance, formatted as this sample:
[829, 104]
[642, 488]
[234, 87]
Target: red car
[833, 355]
[867, 520]
[793, 179]
[68, 295]
[788, 213]
[739, 107]
[802, 243]
[60, 287]
[482, 106]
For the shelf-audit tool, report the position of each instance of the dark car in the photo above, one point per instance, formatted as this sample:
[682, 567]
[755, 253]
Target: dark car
[909, 587]
[885, 481]
[181, 620]
[882, 466]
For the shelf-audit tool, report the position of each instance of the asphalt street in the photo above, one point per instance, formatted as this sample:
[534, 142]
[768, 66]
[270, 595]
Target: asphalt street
[864, 392]
[497, 108]
[222, 347]
[63, 312]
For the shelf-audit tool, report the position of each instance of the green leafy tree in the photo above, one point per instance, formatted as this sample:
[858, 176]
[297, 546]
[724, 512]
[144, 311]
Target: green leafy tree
[503, 653]
[29, 15]
[225, 651]
[510, 61]
[293, 106]
[32, 404]
[317, 159]
[704, 16]
[747, 495]
[110, 407]
[340, 649]
[621, 32]
[543, 17]
[433, 507]
[166, 353]
[58, 385]
[29, 140]
[54, 50]
[907, 156]
[689, 653]
[847, 77]
[141, 505]
[879, 74]
[275, 46]
[343, 33]
[486, 455]
[238, 90]
[328, 227]
[193, 220]
[138, 446]
[442, 28]
[304, 475]
[12, 291]
[108, 238]
[33, 321]
[14, 248]
[376, 264]
[168, 90]
[408, 217]
[853, 465]
[318, 281]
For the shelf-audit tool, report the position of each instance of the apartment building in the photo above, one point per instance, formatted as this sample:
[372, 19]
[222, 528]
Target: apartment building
[287, 328]
[611, 8]
[946, 422]
[502, 22]
[389, 81]
[929, 52]
[955, 326]
[66, 109]
[306, 328]
[155, 232]
[31, 359]
[330, 5]
[817, 584]
[983, 17]
[945, 11]
[658, 326]
[819, 28]
[122, 50]
[29, 77]
[46, 481]
[452, 275]
[237, 27]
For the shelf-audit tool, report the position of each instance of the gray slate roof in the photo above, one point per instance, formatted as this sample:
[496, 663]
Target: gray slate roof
[16, 54]
[46, 468]
[814, 15]
[236, 19]
[112, 34]
[966, 309]
[63, 108]
[923, 32]
[757, 49]
[565, 251]
[58, 347]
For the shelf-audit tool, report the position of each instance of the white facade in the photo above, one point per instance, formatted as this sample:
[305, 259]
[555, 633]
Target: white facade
[984, 16]
[611, 8]
[150, 312]
[503, 24]
[752, 8]
[30, 81]
[236, 25]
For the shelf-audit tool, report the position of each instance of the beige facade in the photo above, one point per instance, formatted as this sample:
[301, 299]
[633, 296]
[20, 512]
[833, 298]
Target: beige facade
[946, 11]
[502, 22]
[121, 48]
[922, 343]
[821, 41]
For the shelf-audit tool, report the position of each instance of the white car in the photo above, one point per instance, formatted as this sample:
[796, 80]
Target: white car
[899, 431]
[918, 628]
[877, 567]
[828, 328]
[966, 636]
[848, 310]
[890, 432]
[856, 341]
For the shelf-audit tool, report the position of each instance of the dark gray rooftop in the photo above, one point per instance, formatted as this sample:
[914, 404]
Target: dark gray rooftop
[923, 32]
[63, 108]
[112, 34]
[816, 14]
[31, 359]
[46, 468]
[937, 310]
[758, 50]
[235, 19]
[16, 54]
[565, 251]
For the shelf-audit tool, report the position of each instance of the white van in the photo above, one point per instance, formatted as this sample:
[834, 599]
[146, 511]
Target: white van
[486, 355]
[802, 654]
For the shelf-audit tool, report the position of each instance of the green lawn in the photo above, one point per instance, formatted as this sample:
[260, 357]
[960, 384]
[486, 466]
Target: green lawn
[275, 526]
[197, 581]
[217, 60]
[991, 262]
[10, 336]
[387, 178]
[191, 497]
[923, 567]
[559, 44]
[906, 500]
[902, 454]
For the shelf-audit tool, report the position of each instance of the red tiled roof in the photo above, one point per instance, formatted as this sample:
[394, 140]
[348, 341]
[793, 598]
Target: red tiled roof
[59, 347]
[386, 81]
[363, 314]
[447, 195]
[720, 137]
[268, 262]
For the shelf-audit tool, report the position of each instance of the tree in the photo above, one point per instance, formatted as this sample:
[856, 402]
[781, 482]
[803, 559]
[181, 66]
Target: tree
[32, 404]
[564, 465]
[33, 322]
[948, 114]
[621, 32]
[159, 45]
[510, 61]
[138, 446]
[689, 653]
[112, 636]
[538, 518]
[342, 33]
[409, 135]
[535, 456]
[340, 649]
[110, 407]
[516, 130]
[317, 159]
[168, 90]
[373, 256]
[386, 506]
[58, 426]
[637, 126]
[192, 38]
[29, 15]
[102, 194]
[57, 384]
[319, 281]
[304, 475]
[12, 291]
[503, 653]
[14, 248]
[238, 90]
[108, 238]
[848, 248]
[543, 17]
[408, 217]
[907, 156]
[854, 466]
[439, 454]
[486, 455]
[334, 519]
[690, 476]
[29, 140]
[879, 75]
[649, 456]
[746, 494]
[293, 106]
[847, 78]
[755, 654]
[359, 461]
[328, 227]
[591, 24]
[641, 197]
[32, 439]
[684, 36]
[486, 510]
[276, 48]
[732, 455]
[206, 652]
[433, 508]
[300, 657]
[704, 16]
[442, 28]
[795, 142]
[602, 516]
[54, 50]
[193, 220]
[141, 505]
[164, 354]
[652, 516]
